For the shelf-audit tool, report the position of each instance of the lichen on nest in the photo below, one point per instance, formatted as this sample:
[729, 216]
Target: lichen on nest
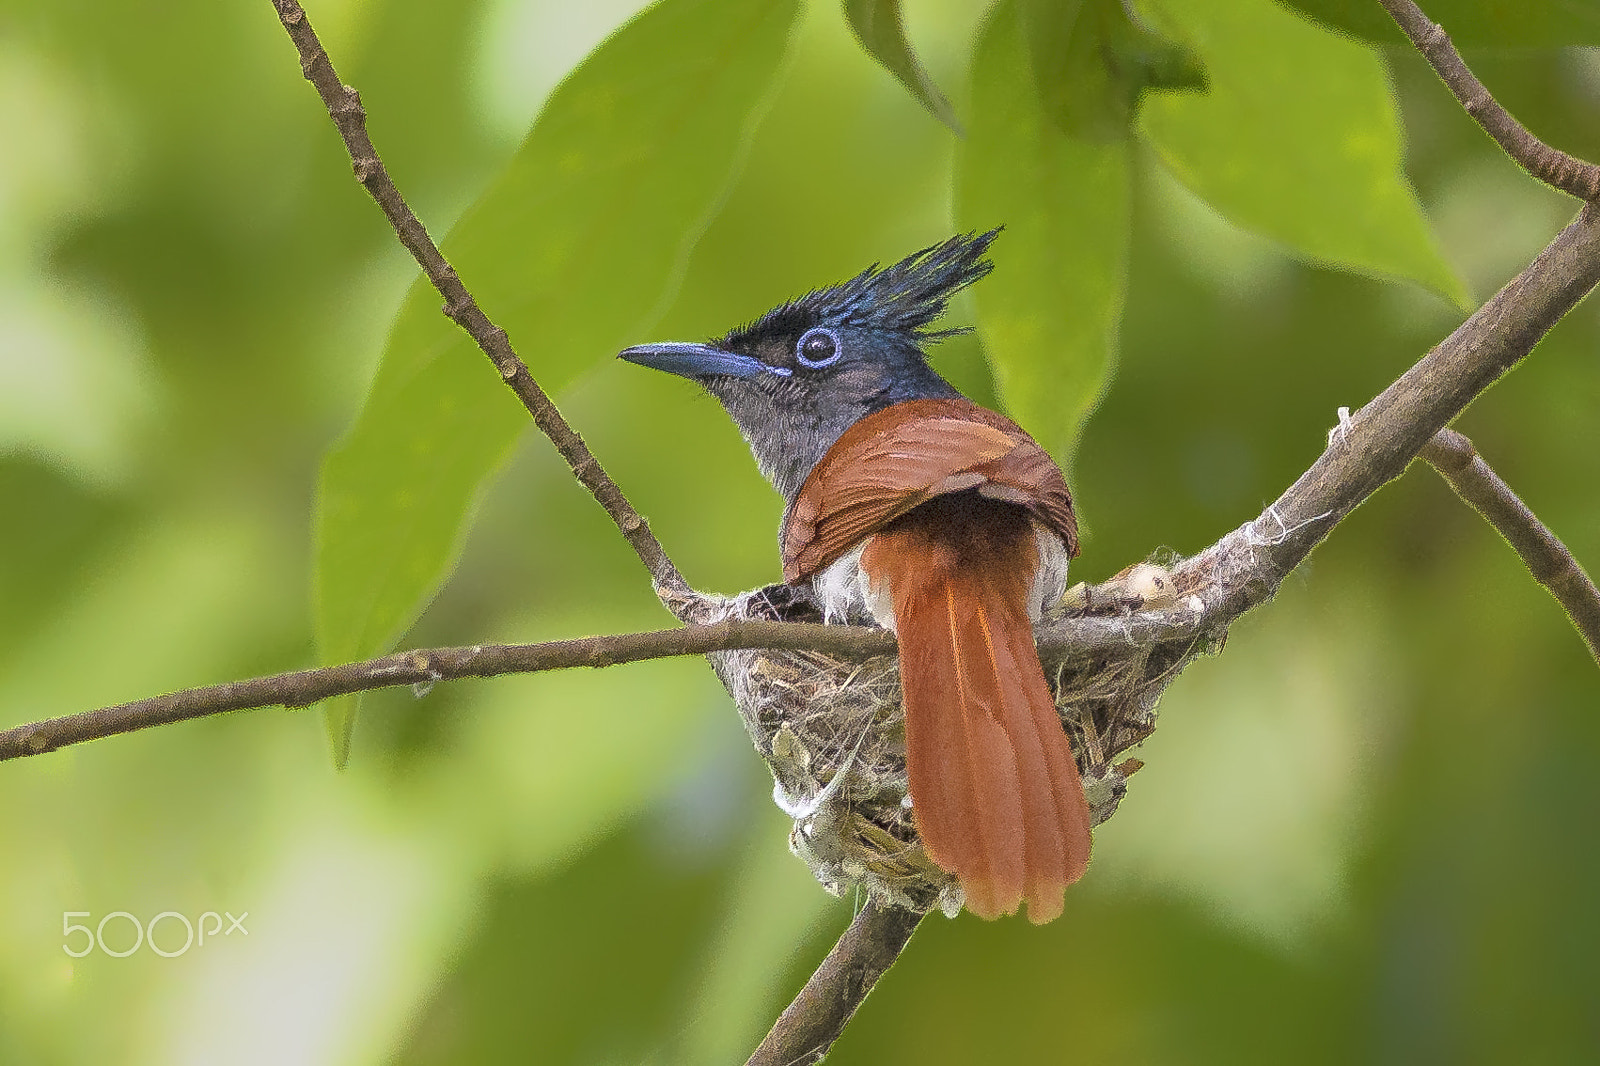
[832, 732]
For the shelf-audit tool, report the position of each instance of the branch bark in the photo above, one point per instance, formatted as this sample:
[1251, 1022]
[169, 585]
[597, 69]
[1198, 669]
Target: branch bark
[344, 107]
[810, 1024]
[1550, 165]
[427, 666]
[1547, 559]
[1374, 446]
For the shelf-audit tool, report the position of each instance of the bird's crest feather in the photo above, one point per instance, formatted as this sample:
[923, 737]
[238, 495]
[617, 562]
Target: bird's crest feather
[903, 298]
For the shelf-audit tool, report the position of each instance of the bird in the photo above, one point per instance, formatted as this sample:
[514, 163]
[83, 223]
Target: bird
[946, 523]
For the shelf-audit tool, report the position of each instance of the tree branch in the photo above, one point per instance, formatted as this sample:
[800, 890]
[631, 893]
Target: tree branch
[1550, 165]
[344, 106]
[423, 667]
[810, 1024]
[1374, 446]
[1547, 559]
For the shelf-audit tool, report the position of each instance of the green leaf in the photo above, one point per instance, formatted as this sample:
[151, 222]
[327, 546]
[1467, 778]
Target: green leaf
[1092, 62]
[1470, 23]
[573, 250]
[878, 26]
[1298, 139]
[1048, 315]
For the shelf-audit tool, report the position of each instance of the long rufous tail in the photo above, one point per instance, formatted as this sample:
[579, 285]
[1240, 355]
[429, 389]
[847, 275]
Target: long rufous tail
[994, 788]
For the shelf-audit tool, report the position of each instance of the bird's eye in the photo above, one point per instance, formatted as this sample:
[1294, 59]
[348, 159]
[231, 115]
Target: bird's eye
[818, 348]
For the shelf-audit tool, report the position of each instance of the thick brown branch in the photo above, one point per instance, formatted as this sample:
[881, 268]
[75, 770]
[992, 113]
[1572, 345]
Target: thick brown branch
[344, 105]
[1542, 552]
[808, 1027]
[1550, 165]
[1374, 446]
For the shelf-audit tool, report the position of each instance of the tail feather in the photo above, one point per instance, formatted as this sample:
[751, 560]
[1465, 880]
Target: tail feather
[1051, 798]
[995, 791]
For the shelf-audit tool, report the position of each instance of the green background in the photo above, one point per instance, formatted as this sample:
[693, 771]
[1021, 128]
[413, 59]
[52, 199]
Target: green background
[1365, 832]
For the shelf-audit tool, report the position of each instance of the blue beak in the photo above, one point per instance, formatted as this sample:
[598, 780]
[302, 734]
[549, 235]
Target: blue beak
[698, 360]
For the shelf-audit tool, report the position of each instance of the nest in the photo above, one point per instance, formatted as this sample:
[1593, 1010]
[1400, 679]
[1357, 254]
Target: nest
[833, 734]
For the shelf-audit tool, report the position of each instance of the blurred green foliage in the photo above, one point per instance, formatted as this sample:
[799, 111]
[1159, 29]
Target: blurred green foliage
[1363, 833]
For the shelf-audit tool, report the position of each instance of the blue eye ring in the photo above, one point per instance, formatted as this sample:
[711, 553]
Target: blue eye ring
[830, 350]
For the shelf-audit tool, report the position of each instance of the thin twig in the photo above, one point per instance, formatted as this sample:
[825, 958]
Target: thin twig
[344, 106]
[425, 666]
[1550, 165]
[810, 1024]
[1547, 559]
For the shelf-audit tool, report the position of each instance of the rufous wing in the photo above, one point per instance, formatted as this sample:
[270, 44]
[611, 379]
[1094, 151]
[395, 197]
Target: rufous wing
[895, 459]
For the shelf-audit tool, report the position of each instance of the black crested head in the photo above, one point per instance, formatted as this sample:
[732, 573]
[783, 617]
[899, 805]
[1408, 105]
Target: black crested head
[801, 374]
[903, 298]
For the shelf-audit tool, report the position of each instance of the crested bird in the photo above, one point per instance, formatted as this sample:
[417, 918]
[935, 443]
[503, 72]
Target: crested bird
[943, 521]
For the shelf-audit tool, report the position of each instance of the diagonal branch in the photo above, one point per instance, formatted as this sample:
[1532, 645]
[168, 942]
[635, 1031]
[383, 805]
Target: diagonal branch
[810, 1024]
[1550, 165]
[1547, 559]
[344, 106]
[1374, 446]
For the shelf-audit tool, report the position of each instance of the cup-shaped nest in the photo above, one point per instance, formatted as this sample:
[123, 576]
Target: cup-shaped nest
[833, 734]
